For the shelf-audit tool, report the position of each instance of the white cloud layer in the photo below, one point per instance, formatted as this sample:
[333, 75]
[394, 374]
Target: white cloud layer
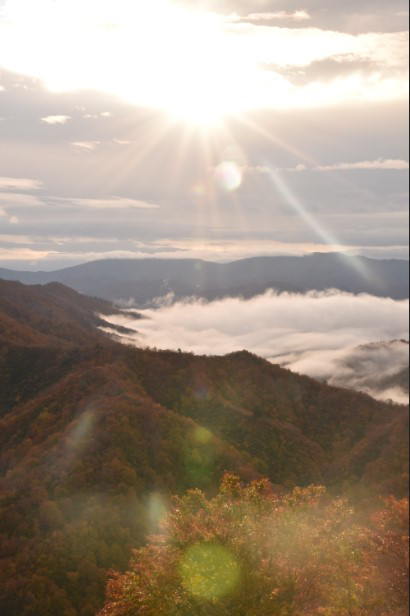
[56, 119]
[85, 146]
[379, 164]
[113, 203]
[313, 334]
[377, 369]
[19, 184]
[272, 16]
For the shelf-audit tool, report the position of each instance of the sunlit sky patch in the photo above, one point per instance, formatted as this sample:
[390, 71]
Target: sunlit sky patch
[197, 65]
[183, 129]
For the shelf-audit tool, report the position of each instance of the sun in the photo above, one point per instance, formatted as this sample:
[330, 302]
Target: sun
[190, 71]
[153, 54]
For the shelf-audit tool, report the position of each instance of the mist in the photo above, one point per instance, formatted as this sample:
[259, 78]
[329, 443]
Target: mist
[316, 334]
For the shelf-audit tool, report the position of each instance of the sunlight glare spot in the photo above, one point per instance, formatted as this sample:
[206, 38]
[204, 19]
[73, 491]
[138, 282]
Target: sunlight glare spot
[199, 189]
[157, 510]
[209, 571]
[82, 429]
[202, 436]
[228, 176]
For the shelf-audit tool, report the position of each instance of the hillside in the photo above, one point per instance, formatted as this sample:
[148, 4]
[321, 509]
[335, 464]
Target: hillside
[144, 280]
[49, 315]
[95, 437]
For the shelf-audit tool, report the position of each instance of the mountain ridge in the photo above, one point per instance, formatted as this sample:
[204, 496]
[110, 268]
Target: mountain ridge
[144, 280]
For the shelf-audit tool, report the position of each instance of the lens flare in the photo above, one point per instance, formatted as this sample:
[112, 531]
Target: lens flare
[202, 436]
[199, 189]
[228, 176]
[209, 571]
[199, 460]
[302, 211]
[157, 510]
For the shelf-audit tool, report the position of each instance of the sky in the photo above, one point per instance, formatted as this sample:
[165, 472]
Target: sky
[232, 129]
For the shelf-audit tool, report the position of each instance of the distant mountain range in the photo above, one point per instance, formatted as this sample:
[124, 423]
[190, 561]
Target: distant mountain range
[95, 436]
[140, 282]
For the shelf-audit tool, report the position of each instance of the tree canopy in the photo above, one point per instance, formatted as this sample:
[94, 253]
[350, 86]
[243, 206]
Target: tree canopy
[250, 551]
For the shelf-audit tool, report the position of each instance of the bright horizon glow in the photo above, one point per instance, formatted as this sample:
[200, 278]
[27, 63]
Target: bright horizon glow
[197, 66]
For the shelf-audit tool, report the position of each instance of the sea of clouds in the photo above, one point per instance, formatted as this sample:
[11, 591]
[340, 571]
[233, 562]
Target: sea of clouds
[325, 335]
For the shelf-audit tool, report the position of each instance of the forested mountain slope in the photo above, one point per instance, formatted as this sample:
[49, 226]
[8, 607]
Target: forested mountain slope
[48, 315]
[95, 437]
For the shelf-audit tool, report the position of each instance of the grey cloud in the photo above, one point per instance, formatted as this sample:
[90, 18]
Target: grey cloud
[349, 16]
[329, 69]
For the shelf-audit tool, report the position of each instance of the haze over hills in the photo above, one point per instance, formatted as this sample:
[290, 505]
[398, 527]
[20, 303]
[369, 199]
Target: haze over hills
[95, 436]
[142, 281]
[379, 369]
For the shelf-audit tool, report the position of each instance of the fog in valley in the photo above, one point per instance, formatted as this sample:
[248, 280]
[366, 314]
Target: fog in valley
[317, 334]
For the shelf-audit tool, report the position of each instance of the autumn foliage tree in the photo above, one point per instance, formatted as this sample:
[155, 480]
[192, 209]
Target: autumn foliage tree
[248, 551]
[389, 552]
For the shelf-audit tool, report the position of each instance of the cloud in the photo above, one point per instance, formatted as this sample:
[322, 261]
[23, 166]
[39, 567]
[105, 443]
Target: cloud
[85, 146]
[95, 116]
[56, 119]
[311, 334]
[381, 370]
[113, 203]
[21, 254]
[122, 141]
[272, 16]
[103, 58]
[19, 184]
[379, 164]
[12, 220]
[11, 199]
